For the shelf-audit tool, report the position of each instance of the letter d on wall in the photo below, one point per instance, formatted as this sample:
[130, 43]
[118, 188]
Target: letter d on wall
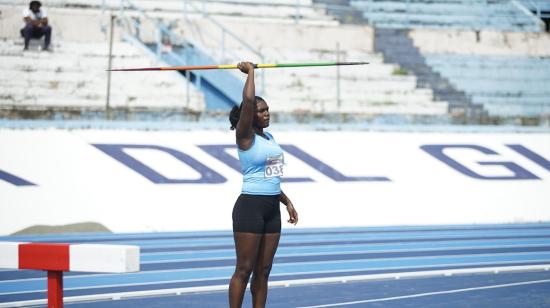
[116, 151]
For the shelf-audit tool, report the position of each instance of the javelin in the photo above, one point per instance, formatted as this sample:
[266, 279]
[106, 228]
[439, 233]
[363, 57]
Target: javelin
[234, 66]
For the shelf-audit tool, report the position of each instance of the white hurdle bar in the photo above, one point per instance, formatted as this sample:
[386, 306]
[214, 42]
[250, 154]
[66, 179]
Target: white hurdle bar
[58, 258]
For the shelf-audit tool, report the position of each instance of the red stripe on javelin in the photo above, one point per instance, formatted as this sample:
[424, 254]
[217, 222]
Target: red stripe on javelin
[43, 256]
[194, 67]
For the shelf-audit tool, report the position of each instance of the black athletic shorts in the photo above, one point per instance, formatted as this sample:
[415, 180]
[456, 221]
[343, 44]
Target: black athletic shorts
[257, 214]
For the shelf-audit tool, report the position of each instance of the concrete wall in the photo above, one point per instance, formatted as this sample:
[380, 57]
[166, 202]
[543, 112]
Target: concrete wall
[375, 178]
[482, 43]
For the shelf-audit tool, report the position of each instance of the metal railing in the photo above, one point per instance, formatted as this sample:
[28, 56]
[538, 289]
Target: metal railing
[134, 26]
[536, 9]
[225, 35]
[539, 23]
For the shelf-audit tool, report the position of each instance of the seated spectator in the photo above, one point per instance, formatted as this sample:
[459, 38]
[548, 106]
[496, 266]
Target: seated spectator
[36, 25]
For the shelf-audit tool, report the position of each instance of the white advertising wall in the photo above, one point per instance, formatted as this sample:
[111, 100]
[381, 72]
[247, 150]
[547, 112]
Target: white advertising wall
[186, 180]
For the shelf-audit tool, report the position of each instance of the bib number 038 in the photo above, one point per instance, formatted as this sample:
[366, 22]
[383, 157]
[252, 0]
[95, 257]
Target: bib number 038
[274, 167]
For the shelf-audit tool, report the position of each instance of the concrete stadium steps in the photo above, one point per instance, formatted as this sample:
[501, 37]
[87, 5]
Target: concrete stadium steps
[53, 98]
[377, 84]
[320, 85]
[501, 87]
[505, 85]
[395, 20]
[503, 62]
[348, 97]
[509, 73]
[531, 101]
[375, 60]
[365, 72]
[477, 14]
[362, 108]
[74, 76]
[509, 110]
[277, 9]
[375, 88]
[92, 82]
[71, 63]
[360, 103]
[360, 92]
[542, 5]
[489, 43]
[242, 8]
[445, 7]
[279, 41]
[397, 47]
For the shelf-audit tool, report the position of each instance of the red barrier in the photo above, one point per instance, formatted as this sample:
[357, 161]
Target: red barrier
[58, 258]
[41, 256]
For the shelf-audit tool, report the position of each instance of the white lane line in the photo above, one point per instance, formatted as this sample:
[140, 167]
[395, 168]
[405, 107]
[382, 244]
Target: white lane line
[280, 283]
[505, 268]
[429, 294]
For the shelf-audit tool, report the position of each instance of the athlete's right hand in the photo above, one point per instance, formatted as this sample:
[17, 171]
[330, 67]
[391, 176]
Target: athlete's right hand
[245, 67]
[293, 215]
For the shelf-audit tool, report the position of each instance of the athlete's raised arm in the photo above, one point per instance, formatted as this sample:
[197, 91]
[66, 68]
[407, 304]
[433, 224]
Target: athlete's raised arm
[244, 130]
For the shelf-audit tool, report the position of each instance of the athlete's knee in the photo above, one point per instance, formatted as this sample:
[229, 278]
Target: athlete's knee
[243, 270]
[262, 272]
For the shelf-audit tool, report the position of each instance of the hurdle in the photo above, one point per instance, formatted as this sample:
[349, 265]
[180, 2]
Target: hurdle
[56, 258]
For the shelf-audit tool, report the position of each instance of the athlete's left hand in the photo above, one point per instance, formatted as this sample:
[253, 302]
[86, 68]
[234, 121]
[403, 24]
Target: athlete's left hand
[292, 213]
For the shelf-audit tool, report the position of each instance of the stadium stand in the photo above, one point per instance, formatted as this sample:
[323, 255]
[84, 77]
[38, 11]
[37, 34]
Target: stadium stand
[503, 71]
[526, 44]
[397, 47]
[375, 89]
[406, 75]
[540, 8]
[381, 90]
[504, 85]
[472, 15]
[279, 10]
[73, 77]
[412, 33]
[71, 81]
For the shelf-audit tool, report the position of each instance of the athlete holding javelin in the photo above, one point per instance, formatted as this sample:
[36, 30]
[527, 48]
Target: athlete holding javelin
[256, 214]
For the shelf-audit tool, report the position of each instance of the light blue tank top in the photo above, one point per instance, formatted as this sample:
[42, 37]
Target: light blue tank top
[262, 166]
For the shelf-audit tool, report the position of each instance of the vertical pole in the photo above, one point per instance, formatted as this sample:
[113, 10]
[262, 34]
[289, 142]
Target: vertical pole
[55, 289]
[297, 16]
[338, 99]
[262, 91]
[407, 10]
[109, 66]
[187, 77]
[185, 9]
[187, 94]
[103, 4]
[121, 10]
[223, 47]
[158, 34]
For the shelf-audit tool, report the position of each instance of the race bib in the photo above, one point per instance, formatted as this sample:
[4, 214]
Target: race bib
[274, 166]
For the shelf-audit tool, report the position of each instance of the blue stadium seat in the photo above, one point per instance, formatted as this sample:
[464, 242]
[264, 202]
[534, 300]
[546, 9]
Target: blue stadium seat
[471, 15]
[504, 85]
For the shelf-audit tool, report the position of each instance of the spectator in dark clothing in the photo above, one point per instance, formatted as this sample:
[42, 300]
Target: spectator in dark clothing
[36, 24]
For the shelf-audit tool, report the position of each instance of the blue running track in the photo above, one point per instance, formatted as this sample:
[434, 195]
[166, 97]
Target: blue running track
[328, 267]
